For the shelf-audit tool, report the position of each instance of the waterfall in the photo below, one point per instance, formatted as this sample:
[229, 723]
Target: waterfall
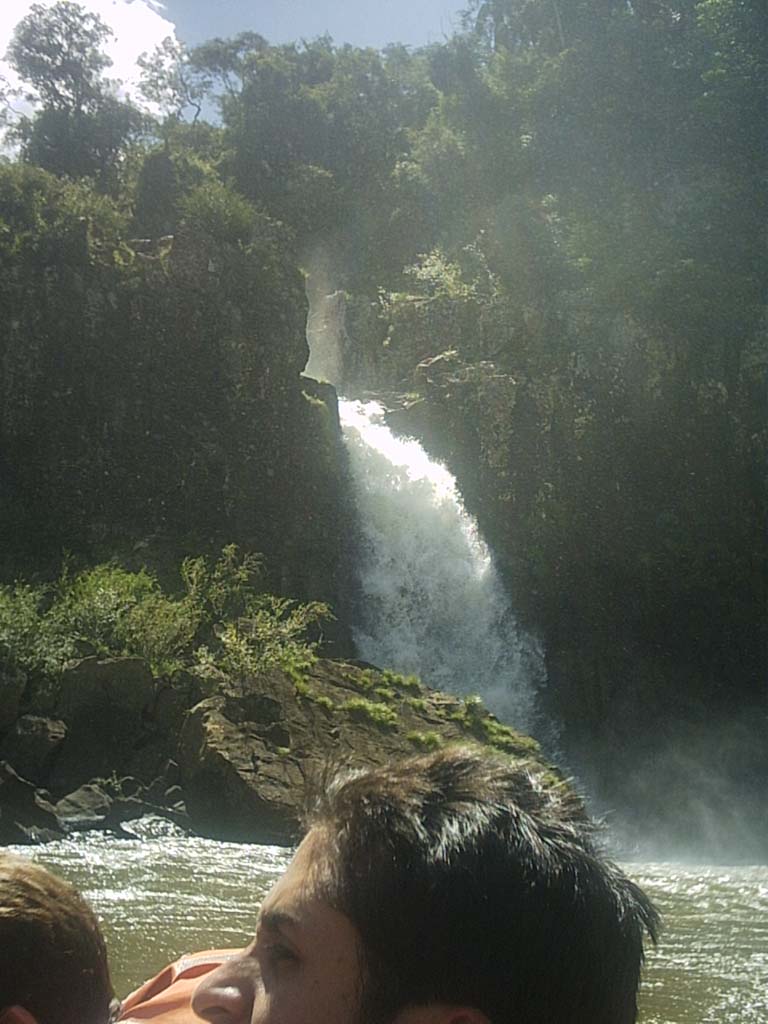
[431, 601]
[327, 337]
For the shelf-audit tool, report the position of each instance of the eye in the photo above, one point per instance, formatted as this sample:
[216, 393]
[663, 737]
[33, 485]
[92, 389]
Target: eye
[279, 953]
[274, 956]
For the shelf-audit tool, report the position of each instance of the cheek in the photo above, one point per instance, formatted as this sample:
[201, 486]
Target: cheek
[306, 1000]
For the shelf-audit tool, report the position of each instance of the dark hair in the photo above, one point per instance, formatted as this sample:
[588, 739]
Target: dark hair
[473, 882]
[53, 960]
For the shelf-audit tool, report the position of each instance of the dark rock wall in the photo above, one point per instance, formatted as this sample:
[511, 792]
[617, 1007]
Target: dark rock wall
[153, 407]
[664, 719]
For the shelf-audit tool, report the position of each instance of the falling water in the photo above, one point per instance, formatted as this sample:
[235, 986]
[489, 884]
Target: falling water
[431, 601]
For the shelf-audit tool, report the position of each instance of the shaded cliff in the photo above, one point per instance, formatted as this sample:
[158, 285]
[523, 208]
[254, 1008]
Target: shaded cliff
[152, 402]
[643, 585]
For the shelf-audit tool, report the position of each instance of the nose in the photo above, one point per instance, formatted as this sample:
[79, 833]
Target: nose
[226, 995]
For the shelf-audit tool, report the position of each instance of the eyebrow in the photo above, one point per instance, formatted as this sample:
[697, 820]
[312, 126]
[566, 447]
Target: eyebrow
[275, 920]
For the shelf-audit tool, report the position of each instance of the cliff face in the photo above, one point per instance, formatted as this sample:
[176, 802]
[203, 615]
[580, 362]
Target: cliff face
[662, 711]
[152, 399]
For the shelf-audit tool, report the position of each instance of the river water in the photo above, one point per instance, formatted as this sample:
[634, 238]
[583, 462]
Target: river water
[167, 894]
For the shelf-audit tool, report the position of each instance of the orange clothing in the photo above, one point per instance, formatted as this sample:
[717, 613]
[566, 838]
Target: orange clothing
[166, 998]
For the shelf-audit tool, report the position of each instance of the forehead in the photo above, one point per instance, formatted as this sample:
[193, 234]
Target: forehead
[304, 877]
[296, 907]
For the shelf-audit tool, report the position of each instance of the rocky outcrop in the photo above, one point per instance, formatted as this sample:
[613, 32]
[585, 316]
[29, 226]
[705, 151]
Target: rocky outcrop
[32, 745]
[105, 705]
[248, 758]
[231, 759]
[26, 816]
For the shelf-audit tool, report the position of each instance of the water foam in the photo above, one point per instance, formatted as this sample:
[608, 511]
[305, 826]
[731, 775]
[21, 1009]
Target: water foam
[431, 600]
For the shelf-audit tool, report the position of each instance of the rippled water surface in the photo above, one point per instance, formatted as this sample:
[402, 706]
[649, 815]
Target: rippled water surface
[167, 894]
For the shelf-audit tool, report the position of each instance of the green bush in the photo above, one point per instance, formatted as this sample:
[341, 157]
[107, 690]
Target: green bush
[226, 589]
[480, 724]
[216, 210]
[410, 684]
[384, 693]
[363, 710]
[417, 703]
[272, 635]
[425, 740]
[26, 638]
[220, 622]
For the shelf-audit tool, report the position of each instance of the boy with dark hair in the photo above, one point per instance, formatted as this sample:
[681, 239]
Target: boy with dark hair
[448, 889]
[53, 961]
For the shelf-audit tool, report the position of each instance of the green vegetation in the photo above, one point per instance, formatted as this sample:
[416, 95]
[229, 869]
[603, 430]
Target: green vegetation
[380, 715]
[306, 692]
[220, 623]
[403, 684]
[384, 693]
[537, 201]
[417, 703]
[475, 720]
[425, 740]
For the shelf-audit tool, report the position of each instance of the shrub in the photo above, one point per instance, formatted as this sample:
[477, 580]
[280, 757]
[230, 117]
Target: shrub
[425, 740]
[228, 588]
[362, 710]
[273, 635]
[411, 684]
[384, 693]
[479, 723]
[221, 622]
[214, 209]
[26, 639]
[417, 703]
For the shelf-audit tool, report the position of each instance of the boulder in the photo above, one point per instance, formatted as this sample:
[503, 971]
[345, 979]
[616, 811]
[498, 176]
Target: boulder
[85, 808]
[105, 806]
[32, 745]
[106, 704]
[25, 815]
[122, 685]
[234, 789]
[246, 756]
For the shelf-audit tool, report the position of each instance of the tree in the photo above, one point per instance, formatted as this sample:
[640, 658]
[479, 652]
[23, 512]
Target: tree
[58, 51]
[171, 81]
[81, 145]
[80, 129]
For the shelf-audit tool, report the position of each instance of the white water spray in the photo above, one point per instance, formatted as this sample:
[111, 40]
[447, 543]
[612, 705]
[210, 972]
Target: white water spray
[431, 601]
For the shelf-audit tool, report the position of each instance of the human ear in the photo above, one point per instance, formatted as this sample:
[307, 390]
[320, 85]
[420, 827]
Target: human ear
[17, 1015]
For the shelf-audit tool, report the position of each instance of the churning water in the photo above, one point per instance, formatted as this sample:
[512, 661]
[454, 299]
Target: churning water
[169, 894]
[431, 602]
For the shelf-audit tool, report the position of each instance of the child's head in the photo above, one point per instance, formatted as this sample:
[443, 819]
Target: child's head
[53, 960]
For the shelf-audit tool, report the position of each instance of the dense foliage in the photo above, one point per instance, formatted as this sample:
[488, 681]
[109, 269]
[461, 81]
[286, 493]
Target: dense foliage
[221, 622]
[566, 198]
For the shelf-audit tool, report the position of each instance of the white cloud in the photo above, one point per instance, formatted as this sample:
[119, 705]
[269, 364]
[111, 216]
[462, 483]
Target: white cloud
[138, 26]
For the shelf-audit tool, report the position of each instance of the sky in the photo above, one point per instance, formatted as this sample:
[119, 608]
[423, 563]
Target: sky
[140, 25]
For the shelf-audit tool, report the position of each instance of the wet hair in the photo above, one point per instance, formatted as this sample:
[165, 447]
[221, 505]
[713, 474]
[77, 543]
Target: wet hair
[472, 882]
[53, 960]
